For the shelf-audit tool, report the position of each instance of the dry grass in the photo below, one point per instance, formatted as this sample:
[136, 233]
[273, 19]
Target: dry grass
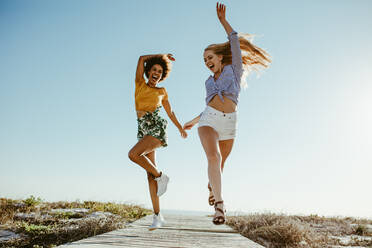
[279, 230]
[45, 228]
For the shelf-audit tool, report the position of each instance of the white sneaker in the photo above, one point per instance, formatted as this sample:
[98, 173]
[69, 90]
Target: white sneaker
[162, 184]
[157, 222]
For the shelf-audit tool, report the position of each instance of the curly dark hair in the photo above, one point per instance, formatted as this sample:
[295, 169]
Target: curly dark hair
[160, 60]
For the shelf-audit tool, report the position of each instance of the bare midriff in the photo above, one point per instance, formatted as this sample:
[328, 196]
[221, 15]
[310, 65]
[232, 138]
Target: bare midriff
[228, 106]
[140, 113]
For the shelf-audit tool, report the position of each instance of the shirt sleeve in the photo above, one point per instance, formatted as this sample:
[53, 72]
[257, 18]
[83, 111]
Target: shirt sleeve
[237, 62]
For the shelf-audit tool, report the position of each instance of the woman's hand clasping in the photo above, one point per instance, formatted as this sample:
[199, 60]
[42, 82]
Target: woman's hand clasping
[183, 133]
[188, 125]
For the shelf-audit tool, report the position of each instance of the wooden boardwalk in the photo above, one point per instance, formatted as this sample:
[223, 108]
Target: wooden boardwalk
[179, 231]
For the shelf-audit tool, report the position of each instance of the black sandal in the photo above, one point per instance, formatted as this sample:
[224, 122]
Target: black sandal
[211, 199]
[219, 220]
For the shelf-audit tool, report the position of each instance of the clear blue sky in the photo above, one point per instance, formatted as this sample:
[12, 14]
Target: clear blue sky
[67, 103]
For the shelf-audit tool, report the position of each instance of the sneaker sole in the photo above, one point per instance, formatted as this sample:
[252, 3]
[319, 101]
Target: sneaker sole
[154, 228]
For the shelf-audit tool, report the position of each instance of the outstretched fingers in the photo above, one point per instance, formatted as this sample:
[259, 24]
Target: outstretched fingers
[221, 10]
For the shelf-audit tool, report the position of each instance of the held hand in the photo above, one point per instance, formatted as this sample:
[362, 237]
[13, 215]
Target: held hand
[221, 11]
[188, 125]
[183, 133]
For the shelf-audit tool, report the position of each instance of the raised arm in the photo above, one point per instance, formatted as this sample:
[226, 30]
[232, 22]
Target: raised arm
[141, 64]
[221, 14]
[236, 53]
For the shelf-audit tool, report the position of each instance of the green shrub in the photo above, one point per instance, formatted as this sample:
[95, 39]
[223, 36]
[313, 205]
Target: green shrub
[32, 201]
[35, 230]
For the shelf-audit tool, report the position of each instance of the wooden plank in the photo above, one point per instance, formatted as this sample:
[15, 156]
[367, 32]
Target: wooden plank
[179, 231]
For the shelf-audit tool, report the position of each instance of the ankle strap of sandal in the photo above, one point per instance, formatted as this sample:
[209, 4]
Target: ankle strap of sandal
[218, 209]
[218, 202]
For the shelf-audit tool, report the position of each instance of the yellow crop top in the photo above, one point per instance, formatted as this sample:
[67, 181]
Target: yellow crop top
[148, 98]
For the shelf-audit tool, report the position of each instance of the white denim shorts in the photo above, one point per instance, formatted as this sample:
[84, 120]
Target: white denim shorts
[225, 124]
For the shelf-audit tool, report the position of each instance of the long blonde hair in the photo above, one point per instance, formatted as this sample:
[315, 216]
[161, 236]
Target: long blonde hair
[253, 57]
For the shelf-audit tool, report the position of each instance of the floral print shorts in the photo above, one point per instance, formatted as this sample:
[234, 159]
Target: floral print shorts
[154, 125]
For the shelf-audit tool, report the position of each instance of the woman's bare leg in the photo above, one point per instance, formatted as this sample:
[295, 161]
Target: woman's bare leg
[153, 185]
[143, 147]
[209, 139]
[225, 149]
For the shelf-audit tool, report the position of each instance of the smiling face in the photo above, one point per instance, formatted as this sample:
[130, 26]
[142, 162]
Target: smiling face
[213, 61]
[155, 74]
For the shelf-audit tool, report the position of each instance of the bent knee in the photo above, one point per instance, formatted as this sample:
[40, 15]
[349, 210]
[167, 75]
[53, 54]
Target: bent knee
[132, 155]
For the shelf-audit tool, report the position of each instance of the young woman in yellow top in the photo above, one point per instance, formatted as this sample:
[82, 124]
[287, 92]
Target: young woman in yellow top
[151, 126]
